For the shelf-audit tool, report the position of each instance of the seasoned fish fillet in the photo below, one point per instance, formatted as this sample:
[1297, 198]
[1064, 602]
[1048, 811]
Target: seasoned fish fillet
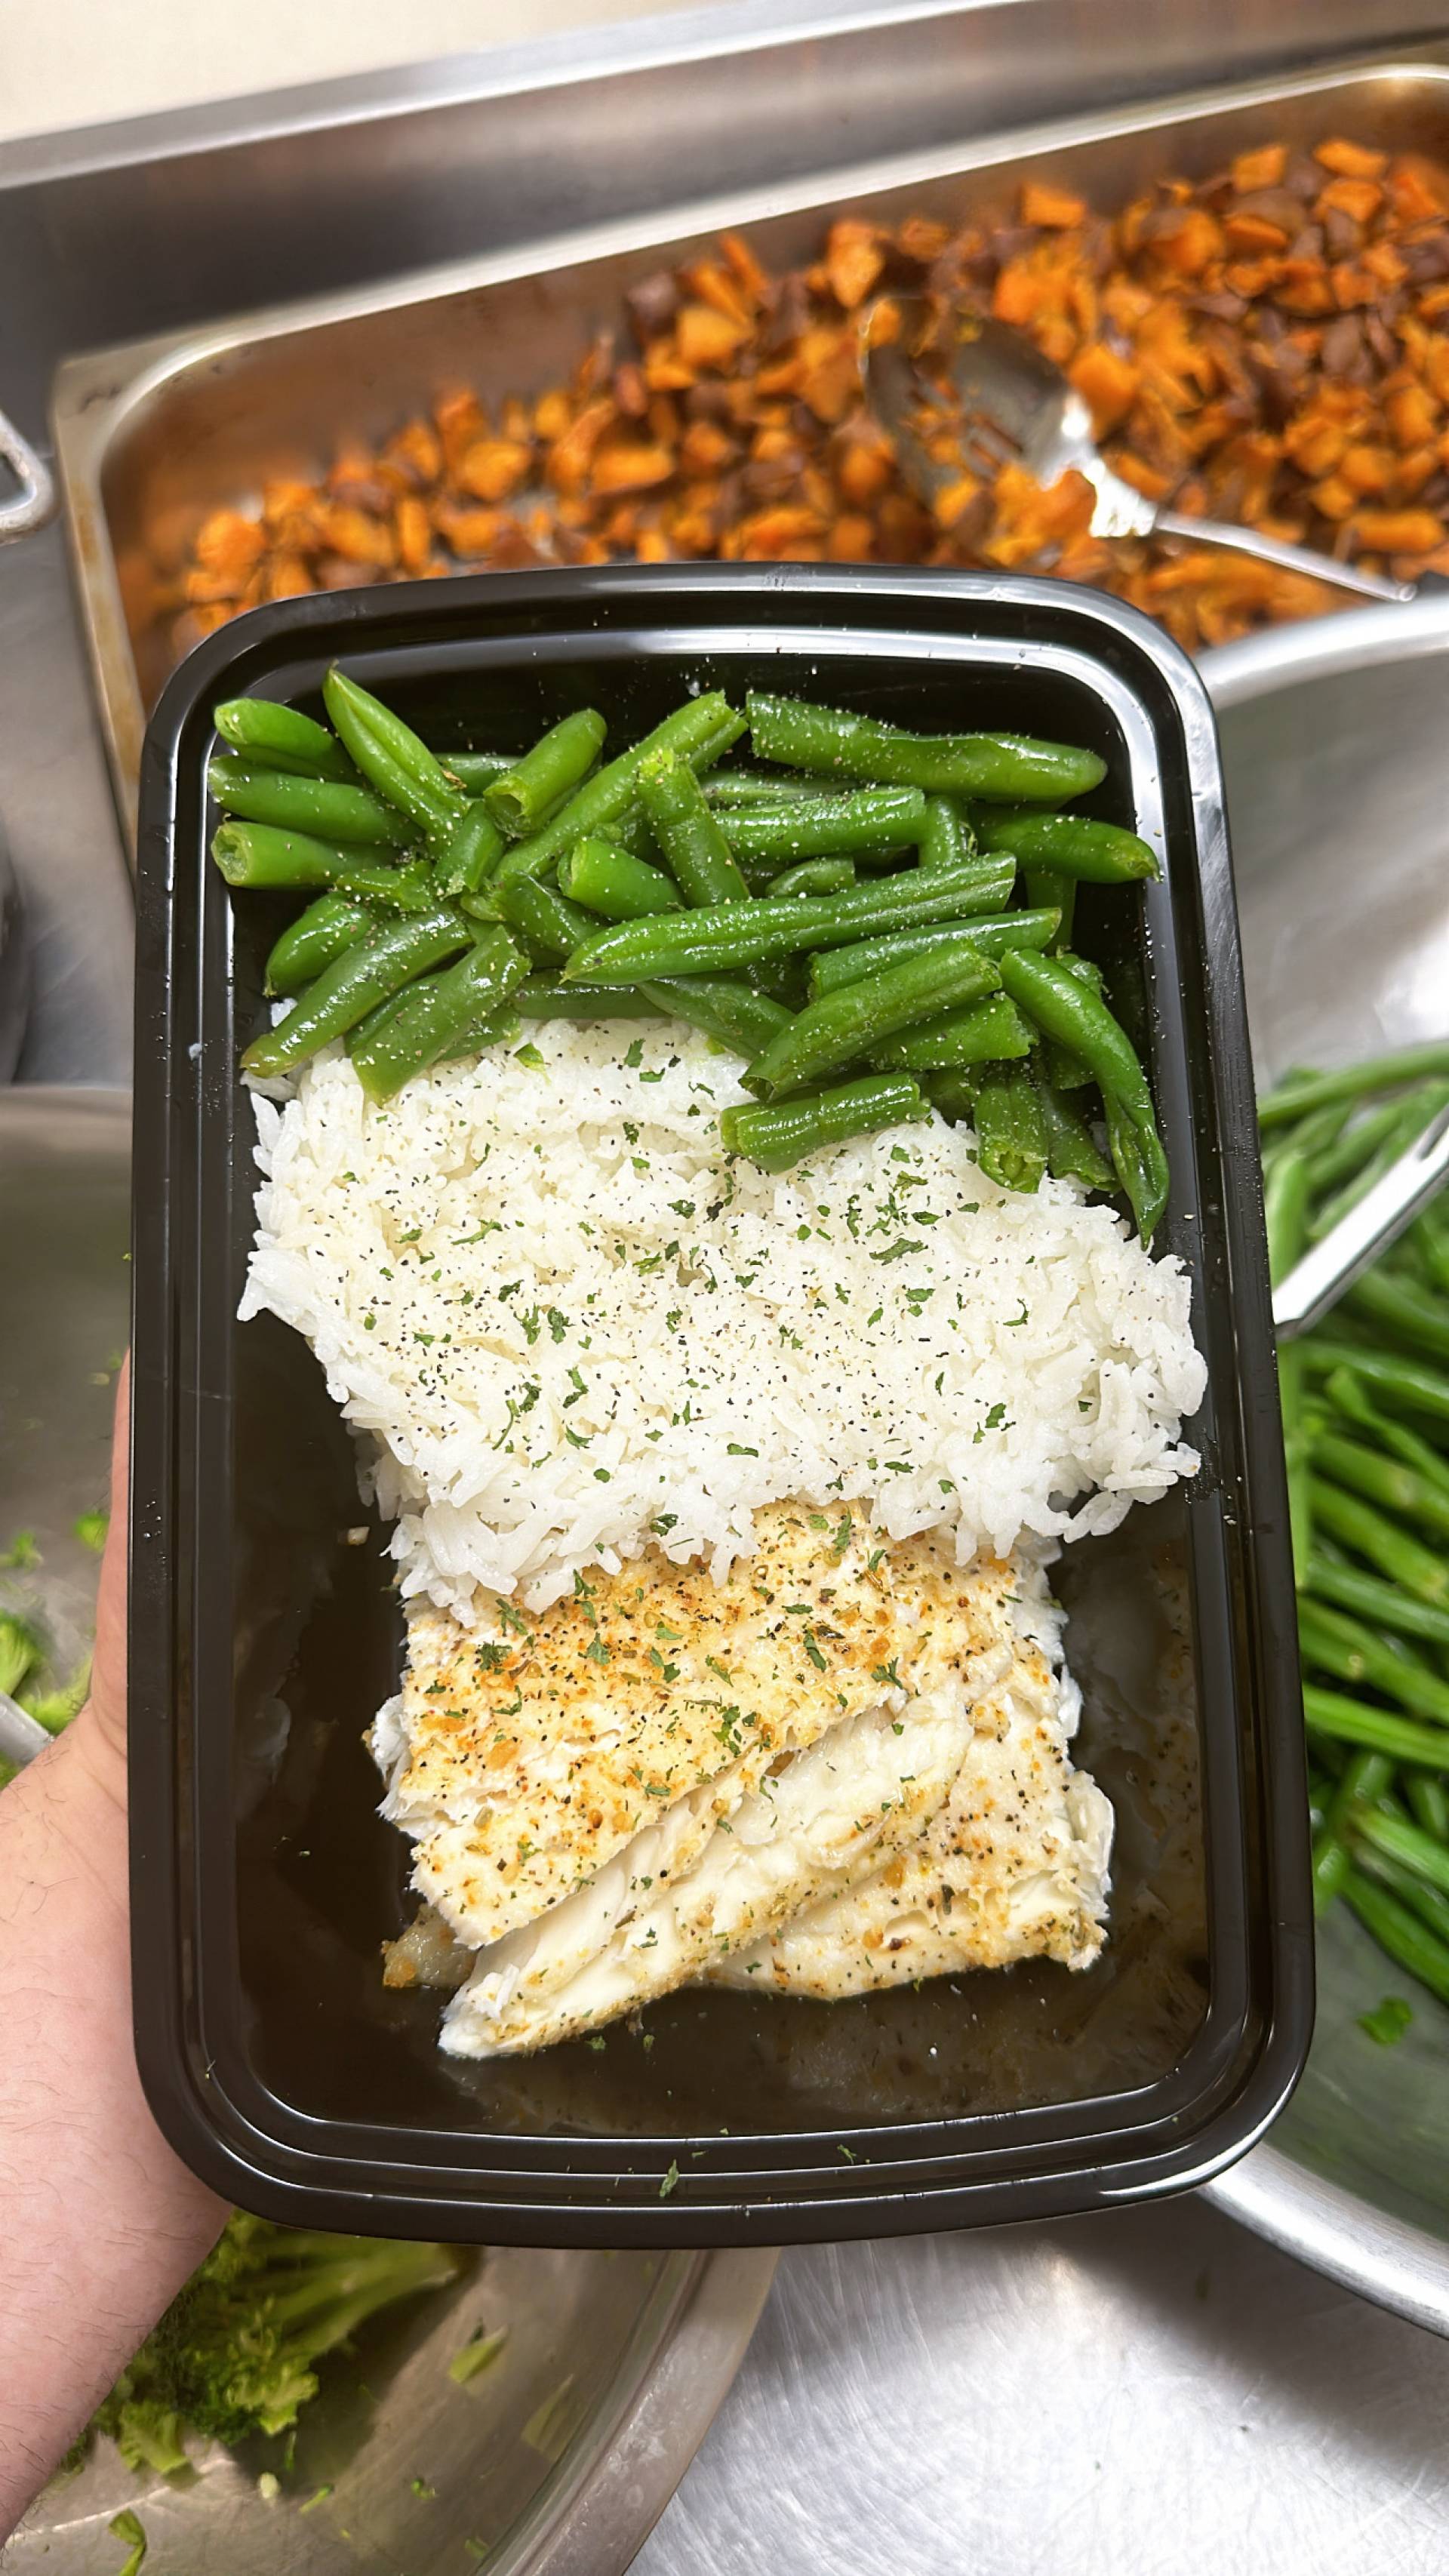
[818, 1821]
[1013, 1864]
[525, 1754]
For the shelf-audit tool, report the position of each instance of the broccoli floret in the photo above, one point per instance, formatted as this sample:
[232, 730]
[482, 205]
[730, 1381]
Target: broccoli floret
[21, 1651]
[235, 2353]
[54, 1709]
[149, 2435]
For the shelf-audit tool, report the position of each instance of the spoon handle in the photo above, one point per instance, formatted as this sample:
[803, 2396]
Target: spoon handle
[1247, 541]
[1316, 1283]
[35, 502]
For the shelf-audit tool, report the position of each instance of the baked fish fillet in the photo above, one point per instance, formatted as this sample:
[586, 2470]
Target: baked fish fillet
[524, 1755]
[818, 1821]
[1013, 1864]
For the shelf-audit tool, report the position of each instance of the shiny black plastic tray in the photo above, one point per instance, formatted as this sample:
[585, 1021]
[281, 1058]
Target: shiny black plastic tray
[262, 1642]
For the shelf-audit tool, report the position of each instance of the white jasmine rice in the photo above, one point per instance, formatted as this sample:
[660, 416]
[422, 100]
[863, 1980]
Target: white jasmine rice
[567, 1323]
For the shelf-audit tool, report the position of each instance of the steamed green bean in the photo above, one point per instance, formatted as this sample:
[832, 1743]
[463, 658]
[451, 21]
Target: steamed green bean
[783, 1133]
[392, 758]
[1011, 1132]
[724, 936]
[323, 807]
[522, 799]
[271, 736]
[1005, 767]
[612, 882]
[989, 1032]
[992, 931]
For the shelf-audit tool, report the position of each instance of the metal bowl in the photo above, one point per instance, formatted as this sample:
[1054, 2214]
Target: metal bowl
[557, 2459]
[1335, 741]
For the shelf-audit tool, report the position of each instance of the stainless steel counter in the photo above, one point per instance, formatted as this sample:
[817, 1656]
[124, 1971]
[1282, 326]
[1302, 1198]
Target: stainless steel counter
[1150, 2394]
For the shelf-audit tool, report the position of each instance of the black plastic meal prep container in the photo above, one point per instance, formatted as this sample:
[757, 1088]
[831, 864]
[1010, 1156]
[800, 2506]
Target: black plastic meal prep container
[264, 1636]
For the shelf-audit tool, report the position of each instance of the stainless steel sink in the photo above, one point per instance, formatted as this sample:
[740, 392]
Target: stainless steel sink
[1336, 745]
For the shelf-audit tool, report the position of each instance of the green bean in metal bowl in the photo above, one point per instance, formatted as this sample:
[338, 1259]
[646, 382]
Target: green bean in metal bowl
[1365, 1398]
[878, 922]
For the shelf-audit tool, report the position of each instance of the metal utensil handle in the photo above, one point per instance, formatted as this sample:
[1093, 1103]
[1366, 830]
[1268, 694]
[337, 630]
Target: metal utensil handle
[1316, 1283]
[1247, 541]
[34, 503]
[21, 1738]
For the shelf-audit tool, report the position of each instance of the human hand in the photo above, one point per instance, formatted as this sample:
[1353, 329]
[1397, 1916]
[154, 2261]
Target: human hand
[102, 2222]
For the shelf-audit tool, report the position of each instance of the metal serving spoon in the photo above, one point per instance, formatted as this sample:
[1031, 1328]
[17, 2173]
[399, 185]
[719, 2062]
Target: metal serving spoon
[1011, 402]
[1316, 1283]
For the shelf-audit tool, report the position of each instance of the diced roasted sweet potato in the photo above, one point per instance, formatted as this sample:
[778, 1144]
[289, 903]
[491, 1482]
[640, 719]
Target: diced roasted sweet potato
[1107, 383]
[1399, 532]
[1416, 193]
[571, 457]
[493, 468]
[418, 450]
[1260, 169]
[414, 533]
[854, 258]
[705, 447]
[1359, 198]
[1368, 469]
[1055, 209]
[1250, 236]
[469, 532]
[829, 373]
[461, 421]
[753, 280]
[704, 337]
[851, 538]
[1350, 160]
[1190, 242]
[228, 548]
[1018, 293]
[356, 537]
[629, 465]
[288, 577]
[1412, 415]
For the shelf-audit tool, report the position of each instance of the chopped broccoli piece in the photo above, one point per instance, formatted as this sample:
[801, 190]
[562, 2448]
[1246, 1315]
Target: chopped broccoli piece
[127, 2526]
[21, 1554]
[148, 2434]
[476, 2355]
[1388, 2021]
[235, 2353]
[91, 1530]
[21, 1651]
